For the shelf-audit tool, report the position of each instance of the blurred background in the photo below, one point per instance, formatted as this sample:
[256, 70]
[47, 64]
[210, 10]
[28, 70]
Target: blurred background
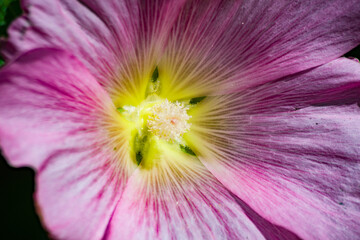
[17, 211]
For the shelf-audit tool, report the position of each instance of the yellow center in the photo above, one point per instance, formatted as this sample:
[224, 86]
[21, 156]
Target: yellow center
[163, 119]
[156, 126]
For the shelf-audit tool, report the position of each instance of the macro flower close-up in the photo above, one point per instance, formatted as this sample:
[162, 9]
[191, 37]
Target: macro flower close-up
[186, 119]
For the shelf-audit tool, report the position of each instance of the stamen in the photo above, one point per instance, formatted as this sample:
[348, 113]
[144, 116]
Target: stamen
[169, 121]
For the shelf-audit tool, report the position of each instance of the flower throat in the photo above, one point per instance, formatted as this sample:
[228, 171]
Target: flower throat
[157, 123]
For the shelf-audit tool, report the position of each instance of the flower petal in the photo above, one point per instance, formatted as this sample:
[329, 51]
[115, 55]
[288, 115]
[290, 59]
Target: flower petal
[53, 117]
[44, 102]
[74, 28]
[118, 41]
[227, 46]
[286, 163]
[268, 229]
[331, 84]
[178, 198]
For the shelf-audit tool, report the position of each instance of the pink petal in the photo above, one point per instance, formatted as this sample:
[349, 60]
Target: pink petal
[227, 46]
[52, 117]
[52, 24]
[222, 46]
[43, 102]
[178, 199]
[268, 229]
[298, 168]
[334, 83]
[116, 40]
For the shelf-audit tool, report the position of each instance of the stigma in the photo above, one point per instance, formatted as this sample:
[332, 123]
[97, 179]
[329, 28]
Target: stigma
[168, 121]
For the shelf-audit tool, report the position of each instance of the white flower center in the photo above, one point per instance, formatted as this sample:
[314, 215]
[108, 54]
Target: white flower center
[168, 121]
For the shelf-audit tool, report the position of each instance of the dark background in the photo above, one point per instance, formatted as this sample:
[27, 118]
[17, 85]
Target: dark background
[18, 218]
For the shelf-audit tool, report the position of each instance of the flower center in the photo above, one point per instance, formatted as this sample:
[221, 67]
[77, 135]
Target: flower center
[156, 125]
[168, 121]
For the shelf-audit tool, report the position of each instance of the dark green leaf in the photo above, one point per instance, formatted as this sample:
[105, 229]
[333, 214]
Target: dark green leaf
[9, 10]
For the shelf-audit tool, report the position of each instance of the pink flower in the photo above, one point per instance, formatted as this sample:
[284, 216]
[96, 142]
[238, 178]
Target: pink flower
[104, 99]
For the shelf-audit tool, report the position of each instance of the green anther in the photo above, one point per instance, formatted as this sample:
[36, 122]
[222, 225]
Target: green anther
[187, 150]
[155, 75]
[154, 83]
[196, 100]
[139, 158]
[120, 109]
[140, 146]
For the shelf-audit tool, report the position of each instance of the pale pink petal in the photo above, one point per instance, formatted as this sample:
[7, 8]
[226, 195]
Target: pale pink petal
[178, 198]
[291, 149]
[227, 46]
[53, 117]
